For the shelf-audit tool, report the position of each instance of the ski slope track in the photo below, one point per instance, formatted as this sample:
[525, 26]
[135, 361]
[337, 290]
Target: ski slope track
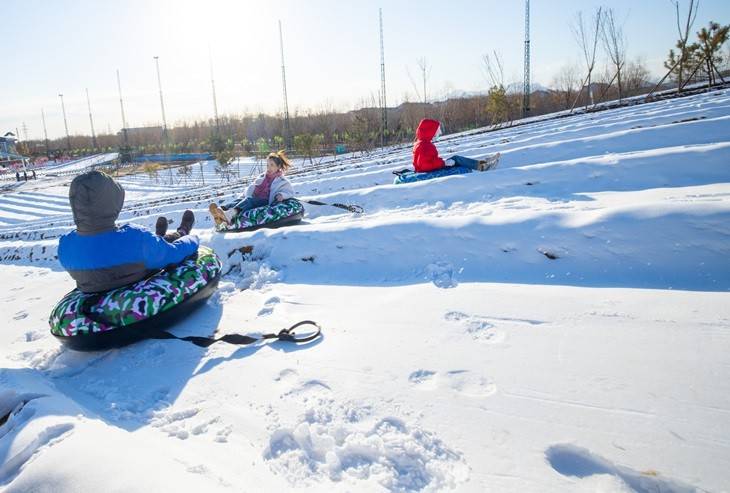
[558, 324]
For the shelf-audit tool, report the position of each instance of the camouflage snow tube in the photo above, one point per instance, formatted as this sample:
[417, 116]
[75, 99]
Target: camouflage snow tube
[128, 314]
[284, 213]
[412, 176]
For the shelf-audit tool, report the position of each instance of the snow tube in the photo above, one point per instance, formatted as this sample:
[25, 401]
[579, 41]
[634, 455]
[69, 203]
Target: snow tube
[121, 316]
[283, 213]
[411, 176]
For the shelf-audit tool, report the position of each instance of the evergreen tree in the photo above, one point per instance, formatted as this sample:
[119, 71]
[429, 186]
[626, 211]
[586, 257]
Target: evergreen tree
[711, 40]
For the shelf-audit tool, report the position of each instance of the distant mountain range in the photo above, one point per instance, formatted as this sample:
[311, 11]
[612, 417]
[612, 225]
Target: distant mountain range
[511, 88]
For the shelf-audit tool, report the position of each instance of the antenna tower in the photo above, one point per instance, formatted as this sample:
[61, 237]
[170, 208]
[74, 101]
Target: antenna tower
[383, 100]
[526, 86]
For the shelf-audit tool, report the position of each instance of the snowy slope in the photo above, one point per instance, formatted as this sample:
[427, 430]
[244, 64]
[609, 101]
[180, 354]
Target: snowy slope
[560, 323]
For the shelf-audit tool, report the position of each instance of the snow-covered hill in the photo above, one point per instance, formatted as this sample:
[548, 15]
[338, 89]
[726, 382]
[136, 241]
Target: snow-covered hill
[560, 323]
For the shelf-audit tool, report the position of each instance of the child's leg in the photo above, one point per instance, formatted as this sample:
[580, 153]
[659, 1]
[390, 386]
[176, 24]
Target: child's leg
[250, 203]
[170, 237]
[466, 162]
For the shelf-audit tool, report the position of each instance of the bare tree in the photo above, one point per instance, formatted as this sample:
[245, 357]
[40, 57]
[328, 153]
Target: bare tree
[425, 73]
[494, 69]
[635, 77]
[587, 37]
[614, 41]
[565, 86]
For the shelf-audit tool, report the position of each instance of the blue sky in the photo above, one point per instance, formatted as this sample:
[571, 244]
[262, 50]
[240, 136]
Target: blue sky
[331, 50]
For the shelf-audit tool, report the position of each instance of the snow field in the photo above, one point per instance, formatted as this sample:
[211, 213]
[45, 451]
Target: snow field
[557, 324]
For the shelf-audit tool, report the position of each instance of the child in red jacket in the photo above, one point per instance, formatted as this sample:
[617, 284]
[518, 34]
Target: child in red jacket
[426, 156]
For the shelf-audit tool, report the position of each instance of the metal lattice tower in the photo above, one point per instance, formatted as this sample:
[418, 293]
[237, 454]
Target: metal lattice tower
[91, 119]
[287, 128]
[526, 86]
[383, 100]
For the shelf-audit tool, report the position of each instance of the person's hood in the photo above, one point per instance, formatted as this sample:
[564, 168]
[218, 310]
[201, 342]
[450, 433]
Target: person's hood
[427, 129]
[96, 201]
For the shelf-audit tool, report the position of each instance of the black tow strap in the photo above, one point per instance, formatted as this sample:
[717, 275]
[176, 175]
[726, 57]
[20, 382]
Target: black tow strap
[348, 207]
[286, 335]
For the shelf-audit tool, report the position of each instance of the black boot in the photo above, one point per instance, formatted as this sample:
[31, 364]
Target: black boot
[161, 226]
[188, 219]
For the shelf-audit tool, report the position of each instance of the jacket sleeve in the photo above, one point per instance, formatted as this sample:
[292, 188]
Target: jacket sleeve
[158, 253]
[250, 188]
[281, 186]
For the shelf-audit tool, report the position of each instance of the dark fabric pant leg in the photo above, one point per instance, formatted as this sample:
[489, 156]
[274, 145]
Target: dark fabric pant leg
[250, 203]
[170, 237]
[466, 162]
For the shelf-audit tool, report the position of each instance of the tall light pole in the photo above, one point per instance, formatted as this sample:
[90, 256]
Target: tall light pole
[45, 133]
[162, 101]
[165, 135]
[287, 128]
[91, 119]
[212, 84]
[65, 124]
[121, 105]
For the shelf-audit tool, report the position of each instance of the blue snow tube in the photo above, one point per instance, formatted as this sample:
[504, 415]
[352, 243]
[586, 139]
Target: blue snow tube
[410, 176]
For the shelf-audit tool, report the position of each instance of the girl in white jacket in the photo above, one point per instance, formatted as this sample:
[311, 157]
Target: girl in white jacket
[267, 189]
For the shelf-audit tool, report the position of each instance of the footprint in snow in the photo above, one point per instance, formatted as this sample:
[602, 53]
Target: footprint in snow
[20, 315]
[578, 462]
[441, 274]
[423, 379]
[310, 388]
[287, 374]
[269, 306]
[479, 328]
[488, 330]
[463, 382]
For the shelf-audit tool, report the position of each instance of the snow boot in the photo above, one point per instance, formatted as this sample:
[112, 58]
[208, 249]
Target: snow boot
[188, 219]
[218, 214]
[489, 163]
[161, 226]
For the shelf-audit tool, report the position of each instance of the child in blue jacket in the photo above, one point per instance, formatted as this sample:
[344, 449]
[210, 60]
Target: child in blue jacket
[101, 256]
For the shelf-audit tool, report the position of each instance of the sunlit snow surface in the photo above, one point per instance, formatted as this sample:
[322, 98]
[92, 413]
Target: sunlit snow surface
[560, 323]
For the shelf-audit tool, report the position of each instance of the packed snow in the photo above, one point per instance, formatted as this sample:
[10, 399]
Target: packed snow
[560, 323]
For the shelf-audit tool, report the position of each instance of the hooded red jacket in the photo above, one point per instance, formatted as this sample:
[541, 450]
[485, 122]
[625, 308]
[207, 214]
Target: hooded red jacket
[425, 155]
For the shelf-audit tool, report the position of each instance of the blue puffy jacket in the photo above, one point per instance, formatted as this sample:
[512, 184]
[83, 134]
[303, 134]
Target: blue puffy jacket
[107, 260]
